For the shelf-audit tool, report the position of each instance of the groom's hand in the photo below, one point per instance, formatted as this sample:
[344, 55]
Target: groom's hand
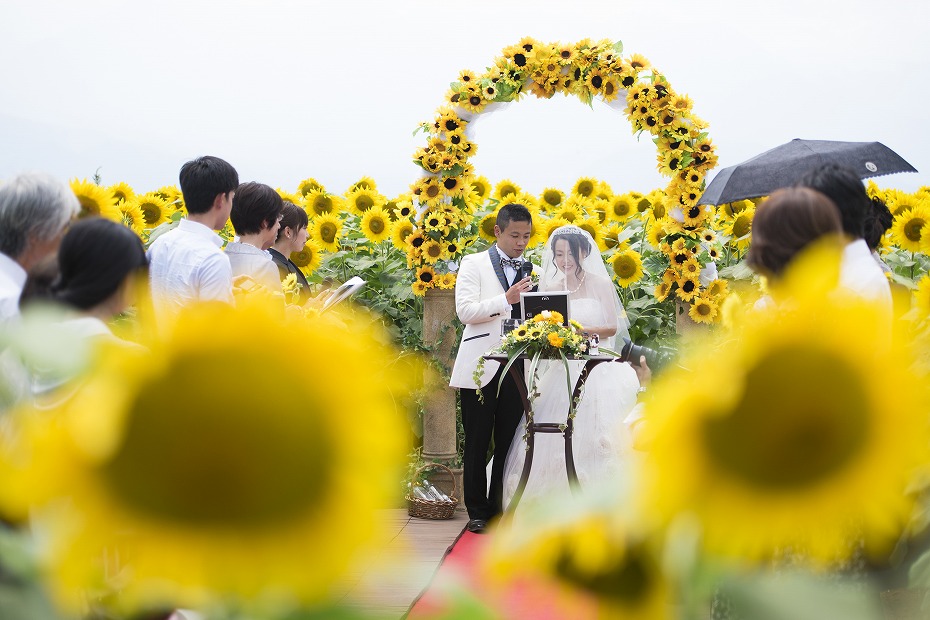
[523, 286]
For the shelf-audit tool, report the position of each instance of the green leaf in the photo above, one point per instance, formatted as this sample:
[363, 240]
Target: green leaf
[618, 47]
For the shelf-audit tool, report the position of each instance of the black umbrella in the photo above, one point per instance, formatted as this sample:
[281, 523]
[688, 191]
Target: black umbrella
[784, 166]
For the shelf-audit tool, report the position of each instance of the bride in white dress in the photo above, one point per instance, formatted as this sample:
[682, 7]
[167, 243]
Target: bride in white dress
[600, 442]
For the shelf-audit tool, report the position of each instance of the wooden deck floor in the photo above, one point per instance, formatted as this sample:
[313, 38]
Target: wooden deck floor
[402, 564]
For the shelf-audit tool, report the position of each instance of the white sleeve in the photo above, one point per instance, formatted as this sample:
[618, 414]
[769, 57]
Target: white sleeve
[468, 304]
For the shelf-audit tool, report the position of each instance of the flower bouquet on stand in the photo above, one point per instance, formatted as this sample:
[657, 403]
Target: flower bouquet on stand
[544, 337]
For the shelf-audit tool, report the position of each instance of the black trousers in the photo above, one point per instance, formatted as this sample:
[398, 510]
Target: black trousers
[497, 416]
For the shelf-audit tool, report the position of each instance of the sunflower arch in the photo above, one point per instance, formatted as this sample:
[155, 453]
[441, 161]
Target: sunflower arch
[444, 194]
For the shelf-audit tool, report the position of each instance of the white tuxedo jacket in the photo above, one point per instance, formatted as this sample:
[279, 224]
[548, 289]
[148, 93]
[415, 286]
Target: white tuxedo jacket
[481, 305]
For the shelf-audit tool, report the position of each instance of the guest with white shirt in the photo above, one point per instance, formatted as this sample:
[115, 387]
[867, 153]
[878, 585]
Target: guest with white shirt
[35, 210]
[859, 272]
[256, 216]
[187, 265]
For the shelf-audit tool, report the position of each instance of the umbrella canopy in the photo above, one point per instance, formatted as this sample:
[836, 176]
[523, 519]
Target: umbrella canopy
[784, 166]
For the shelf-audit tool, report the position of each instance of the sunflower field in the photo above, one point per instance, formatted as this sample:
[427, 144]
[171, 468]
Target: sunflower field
[660, 270]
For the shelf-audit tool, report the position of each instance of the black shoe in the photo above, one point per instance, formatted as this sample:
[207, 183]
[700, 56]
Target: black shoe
[476, 526]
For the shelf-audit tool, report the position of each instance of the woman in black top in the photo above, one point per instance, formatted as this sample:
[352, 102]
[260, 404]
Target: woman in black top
[292, 236]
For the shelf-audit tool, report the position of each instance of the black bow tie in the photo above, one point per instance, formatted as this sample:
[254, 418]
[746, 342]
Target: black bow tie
[513, 262]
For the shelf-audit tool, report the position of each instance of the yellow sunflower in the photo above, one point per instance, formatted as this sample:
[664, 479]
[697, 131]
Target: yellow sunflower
[703, 310]
[584, 186]
[718, 289]
[621, 208]
[658, 230]
[364, 183]
[419, 288]
[662, 290]
[901, 202]
[688, 287]
[732, 209]
[376, 225]
[360, 200]
[131, 215]
[570, 211]
[286, 196]
[481, 188]
[741, 228]
[122, 192]
[155, 209]
[95, 200]
[592, 563]
[325, 230]
[627, 267]
[182, 490]
[810, 468]
[612, 236]
[426, 274]
[910, 227]
[486, 227]
[318, 202]
[309, 258]
[593, 227]
[551, 197]
[309, 185]
[432, 251]
[505, 188]
[400, 231]
[548, 226]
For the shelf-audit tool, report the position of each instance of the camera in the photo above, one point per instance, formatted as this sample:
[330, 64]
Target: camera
[632, 352]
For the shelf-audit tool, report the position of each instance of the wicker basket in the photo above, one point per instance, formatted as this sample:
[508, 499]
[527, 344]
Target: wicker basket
[434, 509]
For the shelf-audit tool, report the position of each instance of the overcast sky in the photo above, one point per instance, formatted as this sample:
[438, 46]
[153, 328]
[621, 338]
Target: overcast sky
[285, 90]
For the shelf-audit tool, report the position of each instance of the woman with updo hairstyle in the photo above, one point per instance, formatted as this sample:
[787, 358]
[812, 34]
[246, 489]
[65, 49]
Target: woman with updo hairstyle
[788, 222]
[99, 264]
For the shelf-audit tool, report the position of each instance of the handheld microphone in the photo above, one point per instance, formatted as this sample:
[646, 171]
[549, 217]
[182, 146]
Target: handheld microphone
[526, 269]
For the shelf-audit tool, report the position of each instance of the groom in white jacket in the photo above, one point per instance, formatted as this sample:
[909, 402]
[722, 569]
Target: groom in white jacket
[487, 290]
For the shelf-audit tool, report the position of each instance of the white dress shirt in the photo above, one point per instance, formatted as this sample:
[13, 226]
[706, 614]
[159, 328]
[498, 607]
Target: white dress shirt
[248, 260]
[186, 265]
[860, 274]
[12, 280]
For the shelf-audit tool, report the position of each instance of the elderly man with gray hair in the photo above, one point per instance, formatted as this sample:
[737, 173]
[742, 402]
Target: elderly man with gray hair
[35, 210]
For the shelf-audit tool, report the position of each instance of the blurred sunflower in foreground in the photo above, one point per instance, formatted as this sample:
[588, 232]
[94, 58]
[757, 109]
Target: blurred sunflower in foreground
[588, 558]
[203, 467]
[802, 429]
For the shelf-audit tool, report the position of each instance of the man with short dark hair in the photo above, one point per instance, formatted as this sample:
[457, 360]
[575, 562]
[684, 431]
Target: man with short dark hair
[487, 290]
[256, 216]
[35, 210]
[859, 272]
[187, 264]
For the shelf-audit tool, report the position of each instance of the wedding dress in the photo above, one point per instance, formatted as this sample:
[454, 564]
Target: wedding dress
[601, 443]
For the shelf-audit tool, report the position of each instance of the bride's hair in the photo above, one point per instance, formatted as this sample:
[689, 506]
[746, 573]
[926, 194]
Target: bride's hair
[578, 247]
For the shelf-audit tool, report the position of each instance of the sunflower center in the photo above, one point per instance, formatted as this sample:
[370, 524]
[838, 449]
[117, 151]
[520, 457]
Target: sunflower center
[629, 581]
[912, 229]
[624, 267]
[322, 204]
[328, 232]
[376, 225]
[150, 212]
[742, 226]
[363, 203]
[792, 439]
[216, 462]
